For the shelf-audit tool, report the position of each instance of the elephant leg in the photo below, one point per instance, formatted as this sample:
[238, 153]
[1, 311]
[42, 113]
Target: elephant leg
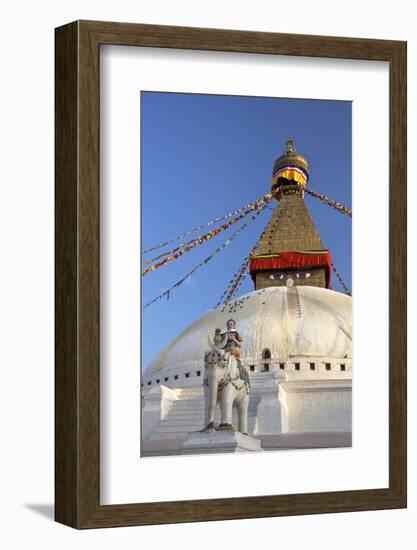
[242, 412]
[206, 405]
[226, 406]
[210, 398]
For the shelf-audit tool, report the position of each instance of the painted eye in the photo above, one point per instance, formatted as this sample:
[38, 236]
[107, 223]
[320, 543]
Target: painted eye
[303, 275]
[278, 277]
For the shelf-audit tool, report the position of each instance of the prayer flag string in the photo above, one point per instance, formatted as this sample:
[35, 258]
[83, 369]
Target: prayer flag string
[235, 283]
[186, 247]
[238, 278]
[342, 283]
[330, 202]
[265, 198]
[167, 292]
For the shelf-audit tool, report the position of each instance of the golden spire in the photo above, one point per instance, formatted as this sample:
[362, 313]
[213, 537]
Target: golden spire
[290, 171]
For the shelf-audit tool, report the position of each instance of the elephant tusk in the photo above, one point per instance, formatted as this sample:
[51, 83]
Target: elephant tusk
[210, 343]
[219, 346]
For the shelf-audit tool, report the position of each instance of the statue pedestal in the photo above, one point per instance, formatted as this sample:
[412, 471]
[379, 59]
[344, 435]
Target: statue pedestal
[220, 442]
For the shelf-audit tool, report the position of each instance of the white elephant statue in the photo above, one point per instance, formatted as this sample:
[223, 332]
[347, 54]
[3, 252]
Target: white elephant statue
[224, 384]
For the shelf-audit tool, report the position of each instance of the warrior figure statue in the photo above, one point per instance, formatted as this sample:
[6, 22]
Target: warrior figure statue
[233, 345]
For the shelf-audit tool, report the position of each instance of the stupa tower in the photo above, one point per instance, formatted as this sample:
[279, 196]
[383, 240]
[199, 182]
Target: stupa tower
[290, 251]
[297, 342]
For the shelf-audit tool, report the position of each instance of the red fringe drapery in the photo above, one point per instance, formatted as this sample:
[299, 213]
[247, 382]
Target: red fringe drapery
[293, 260]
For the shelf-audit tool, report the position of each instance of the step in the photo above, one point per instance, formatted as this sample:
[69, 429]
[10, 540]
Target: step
[180, 416]
[162, 436]
[196, 414]
[180, 412]
[174, 428]
[175, 431]
[188, 406]
[179, 423]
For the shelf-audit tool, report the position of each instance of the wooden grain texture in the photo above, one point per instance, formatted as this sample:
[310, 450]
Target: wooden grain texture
[66, 182]
[77, 404]
[398, 273]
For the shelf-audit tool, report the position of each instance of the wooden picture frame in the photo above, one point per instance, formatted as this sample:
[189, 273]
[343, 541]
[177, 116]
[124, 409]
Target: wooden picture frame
[77, 382]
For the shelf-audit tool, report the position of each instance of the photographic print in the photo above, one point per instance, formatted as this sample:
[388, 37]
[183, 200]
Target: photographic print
[204, 274]
[246, 273]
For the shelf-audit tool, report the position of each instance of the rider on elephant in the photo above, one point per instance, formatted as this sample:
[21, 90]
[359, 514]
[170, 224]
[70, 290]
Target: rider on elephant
[233, 345]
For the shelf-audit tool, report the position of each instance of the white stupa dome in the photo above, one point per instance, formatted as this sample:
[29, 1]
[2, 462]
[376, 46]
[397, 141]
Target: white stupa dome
[300, 321]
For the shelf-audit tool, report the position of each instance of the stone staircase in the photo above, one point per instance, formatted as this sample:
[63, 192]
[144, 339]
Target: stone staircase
[187, 413]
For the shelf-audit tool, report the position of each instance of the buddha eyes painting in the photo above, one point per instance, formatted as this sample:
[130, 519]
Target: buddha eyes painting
[245, 274]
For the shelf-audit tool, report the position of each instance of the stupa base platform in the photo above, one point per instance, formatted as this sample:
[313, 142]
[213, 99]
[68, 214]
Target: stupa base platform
[267, 442]
[305, 440]
[220, 442]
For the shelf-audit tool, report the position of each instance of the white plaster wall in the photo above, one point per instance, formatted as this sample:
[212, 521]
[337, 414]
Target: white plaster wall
[26, 278]
[312, 408]
[175, 375]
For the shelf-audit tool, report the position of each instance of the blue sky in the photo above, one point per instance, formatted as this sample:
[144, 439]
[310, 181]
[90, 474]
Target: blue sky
[203, 156]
